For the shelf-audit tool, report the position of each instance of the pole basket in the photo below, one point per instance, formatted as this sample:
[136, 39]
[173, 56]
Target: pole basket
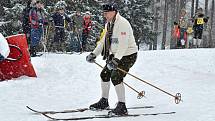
[141, 95]
[178, 98]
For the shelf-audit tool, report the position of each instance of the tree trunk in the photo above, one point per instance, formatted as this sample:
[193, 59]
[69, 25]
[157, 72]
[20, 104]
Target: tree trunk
[156, 14]
[206, 7]
[165, 20]
[206, 12]
[182, 4]
[206, 35]
[177, 9]
[211, 42]
[1, 11]
[197, 5]
[192, 8]
[173, 19]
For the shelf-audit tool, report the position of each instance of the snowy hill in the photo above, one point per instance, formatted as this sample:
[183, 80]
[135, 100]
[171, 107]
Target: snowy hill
[69, 82]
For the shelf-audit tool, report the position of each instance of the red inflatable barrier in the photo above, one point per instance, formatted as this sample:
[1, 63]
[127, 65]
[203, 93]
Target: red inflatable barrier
[13, 69]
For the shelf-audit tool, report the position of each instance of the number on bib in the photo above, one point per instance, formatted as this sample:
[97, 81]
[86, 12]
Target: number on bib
[200, 21]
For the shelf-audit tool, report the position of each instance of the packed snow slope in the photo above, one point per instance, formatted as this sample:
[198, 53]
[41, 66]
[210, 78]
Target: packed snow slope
[68, 82]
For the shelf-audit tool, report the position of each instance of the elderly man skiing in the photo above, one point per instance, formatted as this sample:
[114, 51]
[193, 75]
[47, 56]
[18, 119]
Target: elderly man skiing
[119, 49]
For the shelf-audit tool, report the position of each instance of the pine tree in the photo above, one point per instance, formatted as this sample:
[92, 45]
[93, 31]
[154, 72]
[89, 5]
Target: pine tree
[138, 13]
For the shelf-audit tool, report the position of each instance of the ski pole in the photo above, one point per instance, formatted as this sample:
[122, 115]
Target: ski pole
[177, 97]
[140, 94]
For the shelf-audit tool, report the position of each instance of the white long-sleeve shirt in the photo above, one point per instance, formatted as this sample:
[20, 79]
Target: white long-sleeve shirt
[123, 42]
[4, 47]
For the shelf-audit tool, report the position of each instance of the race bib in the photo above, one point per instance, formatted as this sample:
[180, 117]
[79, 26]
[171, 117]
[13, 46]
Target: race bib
[200, 21]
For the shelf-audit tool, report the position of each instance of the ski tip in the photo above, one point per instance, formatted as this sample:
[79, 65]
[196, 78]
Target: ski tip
[48, 116]
[27, 107]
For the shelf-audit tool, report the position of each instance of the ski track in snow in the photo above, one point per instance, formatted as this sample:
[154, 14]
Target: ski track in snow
[69, 82]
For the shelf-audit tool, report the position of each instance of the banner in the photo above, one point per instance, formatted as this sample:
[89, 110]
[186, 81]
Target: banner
[22, 66]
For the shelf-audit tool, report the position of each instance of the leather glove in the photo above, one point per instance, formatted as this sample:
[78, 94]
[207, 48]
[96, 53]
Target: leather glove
[91, 58]
[113, 64]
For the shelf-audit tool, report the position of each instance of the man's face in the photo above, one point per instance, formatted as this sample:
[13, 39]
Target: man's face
[109, 15]
[33, 2]
[61, 11]
[78, 13]
[183, 13]
[39, 5]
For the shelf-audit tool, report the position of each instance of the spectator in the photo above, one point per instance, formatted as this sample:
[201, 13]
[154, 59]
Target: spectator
[199, 21]
[77, 31]
[37, 20]
[60, 18]
[26, 26]
[87, 26]
[182, 24]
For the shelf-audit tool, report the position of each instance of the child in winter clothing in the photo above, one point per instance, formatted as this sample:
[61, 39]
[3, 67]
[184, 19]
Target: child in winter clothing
[189, 34]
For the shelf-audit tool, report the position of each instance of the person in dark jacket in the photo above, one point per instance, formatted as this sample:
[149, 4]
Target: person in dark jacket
[37, 20]
[76, 36]
[198, 27]
[60, 18]
[26, 26]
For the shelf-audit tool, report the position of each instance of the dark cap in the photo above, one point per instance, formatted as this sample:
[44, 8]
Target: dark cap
[109, 7]
[38, 1]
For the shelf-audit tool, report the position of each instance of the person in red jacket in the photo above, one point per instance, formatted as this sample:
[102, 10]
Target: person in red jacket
[37, 21]
[87, 26]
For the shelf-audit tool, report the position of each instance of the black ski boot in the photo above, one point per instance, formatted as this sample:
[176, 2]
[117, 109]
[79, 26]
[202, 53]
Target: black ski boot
[33, 52]
[119, 110]
[102, 104]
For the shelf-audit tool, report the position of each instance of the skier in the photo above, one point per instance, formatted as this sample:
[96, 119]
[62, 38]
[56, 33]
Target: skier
[4, 48]
[60, 18]
[37, 20]
[119, 49]
[199, 21]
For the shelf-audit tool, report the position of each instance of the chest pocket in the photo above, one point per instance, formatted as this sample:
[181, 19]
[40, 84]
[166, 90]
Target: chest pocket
[200, 21]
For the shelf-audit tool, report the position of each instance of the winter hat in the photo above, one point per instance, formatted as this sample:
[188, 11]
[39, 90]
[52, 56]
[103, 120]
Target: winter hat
[38, 1]
[60, 8]
[109, 7]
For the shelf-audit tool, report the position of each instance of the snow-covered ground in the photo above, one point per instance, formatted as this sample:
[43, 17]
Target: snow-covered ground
[69, 82]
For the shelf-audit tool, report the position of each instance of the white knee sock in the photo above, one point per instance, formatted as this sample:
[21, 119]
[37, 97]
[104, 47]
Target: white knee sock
[120, 91]
[199, 42]
[194, 41]
[105, 86]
